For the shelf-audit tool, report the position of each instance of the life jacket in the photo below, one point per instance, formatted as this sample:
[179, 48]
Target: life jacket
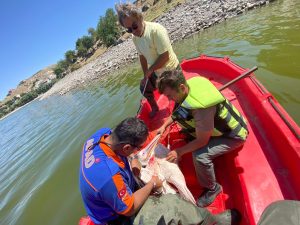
[203, 94]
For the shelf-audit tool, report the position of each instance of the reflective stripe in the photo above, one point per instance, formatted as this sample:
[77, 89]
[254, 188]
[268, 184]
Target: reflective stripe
[228, 117]
[235, 131]
[203, 94]
[239, 118]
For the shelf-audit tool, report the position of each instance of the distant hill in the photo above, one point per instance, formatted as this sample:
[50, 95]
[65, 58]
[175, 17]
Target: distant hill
[151, 8]
[41, 77]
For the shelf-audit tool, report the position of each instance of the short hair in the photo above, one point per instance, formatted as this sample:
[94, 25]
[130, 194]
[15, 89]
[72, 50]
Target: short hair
[132, 131]
[171, 79]
[128, 10]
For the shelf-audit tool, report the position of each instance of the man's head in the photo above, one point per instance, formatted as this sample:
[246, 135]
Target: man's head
[129, 136]
[173, 85]
[131, 18]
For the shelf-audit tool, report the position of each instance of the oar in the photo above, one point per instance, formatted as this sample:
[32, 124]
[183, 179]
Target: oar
[146, 83]
[247, 73]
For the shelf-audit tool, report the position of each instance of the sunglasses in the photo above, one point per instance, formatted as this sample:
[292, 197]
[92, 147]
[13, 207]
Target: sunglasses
[135, 146]
[133, 27]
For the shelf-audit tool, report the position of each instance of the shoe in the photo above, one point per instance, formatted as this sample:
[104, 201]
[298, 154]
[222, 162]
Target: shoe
[228, 217]
[208, 196]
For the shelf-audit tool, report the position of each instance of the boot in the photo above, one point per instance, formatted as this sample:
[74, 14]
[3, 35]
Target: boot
[208, 196]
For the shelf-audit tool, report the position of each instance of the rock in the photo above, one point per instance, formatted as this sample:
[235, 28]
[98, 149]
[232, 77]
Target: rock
[155, 1]
[169, 1]
[250, 5]
[145, 7]
[119, 41]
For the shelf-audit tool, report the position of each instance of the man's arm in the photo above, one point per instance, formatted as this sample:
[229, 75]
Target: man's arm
[165, 125]
[159, 63]
[201, 140]
[204, 119]
[141, 195]
[144, 64]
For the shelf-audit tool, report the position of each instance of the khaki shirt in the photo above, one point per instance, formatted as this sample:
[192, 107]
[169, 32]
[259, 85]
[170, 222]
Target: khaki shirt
[204, 118]
[154, 42]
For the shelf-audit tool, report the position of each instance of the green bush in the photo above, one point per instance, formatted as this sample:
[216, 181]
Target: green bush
[107, 29]
[87, 41]
[83, 45]
[60, 68]
[10, 102]
[93, 34]
[70, 56]
[82, 51]
[44, 87]
[27, 98]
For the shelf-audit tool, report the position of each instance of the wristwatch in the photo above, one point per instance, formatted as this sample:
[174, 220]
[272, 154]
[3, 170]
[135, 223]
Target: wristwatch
[154, 185]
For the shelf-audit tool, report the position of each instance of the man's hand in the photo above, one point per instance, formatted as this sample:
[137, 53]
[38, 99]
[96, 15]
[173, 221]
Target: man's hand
[161, 130]
[156, 182]
[172, 156]
[148, 73]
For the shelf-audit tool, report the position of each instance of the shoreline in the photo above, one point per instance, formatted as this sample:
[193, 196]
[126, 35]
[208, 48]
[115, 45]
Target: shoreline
[15, 110]
[182, 21]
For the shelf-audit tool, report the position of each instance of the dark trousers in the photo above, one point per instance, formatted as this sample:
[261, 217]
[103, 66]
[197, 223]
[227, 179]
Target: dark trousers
[122, 220]
[203, 158]
[151, 86]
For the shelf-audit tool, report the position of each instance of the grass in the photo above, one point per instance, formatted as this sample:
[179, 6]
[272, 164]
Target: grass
[97, 53]
[159, 8]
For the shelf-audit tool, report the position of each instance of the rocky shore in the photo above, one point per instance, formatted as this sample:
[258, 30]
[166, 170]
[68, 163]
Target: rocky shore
[181, 21]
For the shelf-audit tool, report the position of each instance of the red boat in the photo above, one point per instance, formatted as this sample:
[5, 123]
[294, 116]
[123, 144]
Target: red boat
[266, 168]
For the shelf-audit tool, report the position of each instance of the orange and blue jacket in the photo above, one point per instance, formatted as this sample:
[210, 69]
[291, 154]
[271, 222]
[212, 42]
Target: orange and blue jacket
[106, 181]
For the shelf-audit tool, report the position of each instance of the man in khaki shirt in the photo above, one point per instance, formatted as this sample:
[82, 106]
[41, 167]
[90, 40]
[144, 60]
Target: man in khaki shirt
[153, 46]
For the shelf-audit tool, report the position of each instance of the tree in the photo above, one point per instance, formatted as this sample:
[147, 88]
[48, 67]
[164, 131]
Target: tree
[82, 51]
[107, 28]
[83, 44]
[60, 68]
[85, 41]
[70, 56]
[93, 34]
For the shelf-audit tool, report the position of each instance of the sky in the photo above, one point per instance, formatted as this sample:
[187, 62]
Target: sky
[36, 33]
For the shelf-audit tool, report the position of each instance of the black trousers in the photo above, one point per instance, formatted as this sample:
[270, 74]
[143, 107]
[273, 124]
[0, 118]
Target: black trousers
[151, 86]
[122, 220]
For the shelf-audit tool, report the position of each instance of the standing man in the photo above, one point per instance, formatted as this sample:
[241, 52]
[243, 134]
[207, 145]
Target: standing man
[153, 46]
[214, 124]
[107, 185]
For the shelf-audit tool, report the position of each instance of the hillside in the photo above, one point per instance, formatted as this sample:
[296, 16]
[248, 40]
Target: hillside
[43, 76]
[182, 18]
[152, 9]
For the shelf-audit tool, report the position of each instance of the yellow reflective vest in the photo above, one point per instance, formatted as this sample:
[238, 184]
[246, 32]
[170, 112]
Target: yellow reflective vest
[203, 94]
